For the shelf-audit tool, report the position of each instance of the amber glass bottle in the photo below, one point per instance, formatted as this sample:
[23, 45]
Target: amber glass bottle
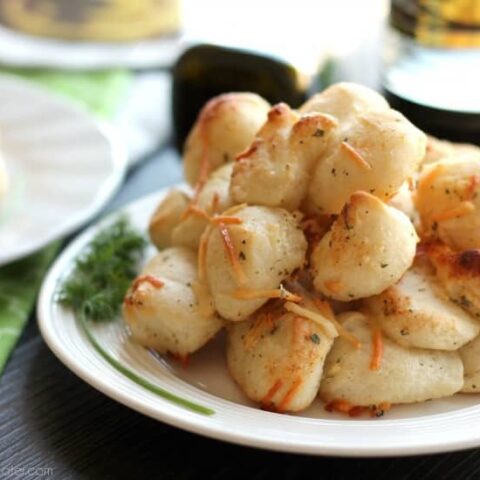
[433, 66]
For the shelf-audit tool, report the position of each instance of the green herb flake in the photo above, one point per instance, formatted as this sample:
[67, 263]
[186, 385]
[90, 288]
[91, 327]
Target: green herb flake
[315, 338]
[102, 274]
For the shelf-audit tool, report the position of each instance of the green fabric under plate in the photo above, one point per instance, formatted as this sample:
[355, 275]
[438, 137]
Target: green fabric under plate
[19, 282]
[101, 93]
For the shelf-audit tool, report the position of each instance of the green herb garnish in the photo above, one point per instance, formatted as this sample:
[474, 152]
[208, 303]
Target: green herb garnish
[101, 276]
[97, 285]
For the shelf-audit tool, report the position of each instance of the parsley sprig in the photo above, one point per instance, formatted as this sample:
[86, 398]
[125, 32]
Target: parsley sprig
[102, 274]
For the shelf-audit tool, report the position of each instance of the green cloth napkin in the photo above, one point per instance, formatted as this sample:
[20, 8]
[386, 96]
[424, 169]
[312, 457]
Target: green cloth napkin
[101, 93]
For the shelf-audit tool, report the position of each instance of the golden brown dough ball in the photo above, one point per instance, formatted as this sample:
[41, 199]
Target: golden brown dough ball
[277, 359]
[166, 217]
[344, 101]
[470, 355]
[441, 149]
[459, 273]
[226, 125]
[267, 246]
[276, 169]
[375, 153]
[162, 309]
[368, 248]
[405, 375]
[213, 198]
[416, 312]
[448, 201]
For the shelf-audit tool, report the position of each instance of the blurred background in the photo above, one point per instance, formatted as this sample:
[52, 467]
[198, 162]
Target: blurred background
[155, 62]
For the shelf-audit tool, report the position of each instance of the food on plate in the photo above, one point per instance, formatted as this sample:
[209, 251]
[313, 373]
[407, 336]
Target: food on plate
[440, 149]
[226, 126]
[344, 139]
[459, 273]
[277, 357]
[374, 149]
[470, 355]
[161, 308]
[368, 248]
[416, 312]
[276, 169]
[214, 198]
[401, 375]
[166, 217]
[403, 201]
[448, 201]
[250, 256]
[338, 252]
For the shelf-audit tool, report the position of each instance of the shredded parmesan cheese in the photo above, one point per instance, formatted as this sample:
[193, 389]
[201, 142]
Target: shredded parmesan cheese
[267, 400]
[245, 294]
[202, 254]
[342, 406]
[240, 276]
[334, 286]
[153, 281]
[377, 349]
[326, 310]
[215, 205]
[355, 156]
[463, 208]
[427, 180]
[324, 323]
[226, 220]
[289, 396]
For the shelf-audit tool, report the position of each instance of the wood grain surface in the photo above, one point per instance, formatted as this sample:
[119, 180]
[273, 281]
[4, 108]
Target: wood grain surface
[53, 425]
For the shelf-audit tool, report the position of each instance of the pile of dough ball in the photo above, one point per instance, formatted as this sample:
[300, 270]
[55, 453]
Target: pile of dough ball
[336, 245]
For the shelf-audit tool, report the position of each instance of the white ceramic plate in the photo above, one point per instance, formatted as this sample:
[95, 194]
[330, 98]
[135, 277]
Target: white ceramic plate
[62, 166]
[435, 426]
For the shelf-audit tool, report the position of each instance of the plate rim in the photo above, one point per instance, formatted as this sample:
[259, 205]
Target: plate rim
[109, 186]
[168, 413]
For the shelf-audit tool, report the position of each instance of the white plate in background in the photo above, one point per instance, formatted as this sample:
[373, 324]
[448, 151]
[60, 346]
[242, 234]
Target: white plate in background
[23, 50]
[430, 427]
[62, 166]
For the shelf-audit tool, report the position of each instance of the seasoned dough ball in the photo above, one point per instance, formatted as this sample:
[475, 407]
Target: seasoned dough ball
[403, 201]
[440, 149]
[448, 202]
[405, 375]
[214, 198]
[166, 217]
[278, 360]
[459, 273]
[344, 101]
[368, 248]
[470, 355]
[416, 312]
[276, 169]
[268, 245]
[226, 126]
[376, 153]
[161, 307]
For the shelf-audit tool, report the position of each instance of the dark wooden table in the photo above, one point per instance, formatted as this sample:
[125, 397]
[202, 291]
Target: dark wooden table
[53, 425]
